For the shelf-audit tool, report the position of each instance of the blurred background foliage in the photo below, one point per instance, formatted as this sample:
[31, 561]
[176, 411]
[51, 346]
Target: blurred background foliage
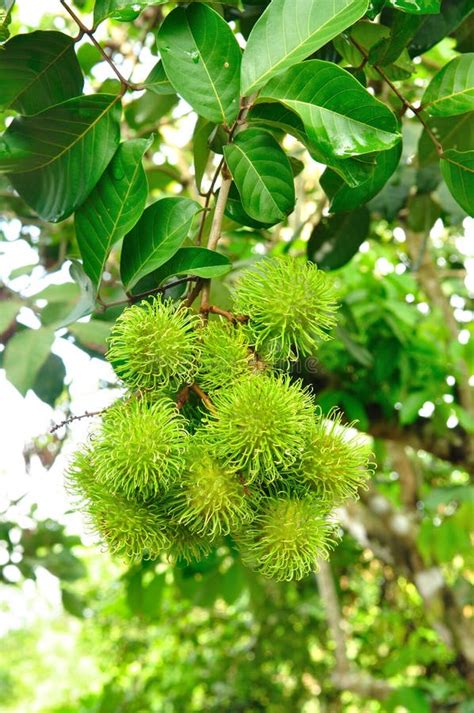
[213, 636]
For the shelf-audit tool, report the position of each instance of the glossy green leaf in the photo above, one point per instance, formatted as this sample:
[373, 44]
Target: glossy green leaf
[337, 238]
[451, 91]
[202, 59]
[402, 29]
[288, 32]
[113, 207]
[38, 70]
[55, 158]
[339, 115]
[25, 354]
[276, 116]
[124, 10]
[235, 211]
[262, 174]
[157, 81]
[200, 262]
[457, 168]
[417, 7]
[49, 382]
[344, 198]
[156, 237]
[434, 27]
[452, 133]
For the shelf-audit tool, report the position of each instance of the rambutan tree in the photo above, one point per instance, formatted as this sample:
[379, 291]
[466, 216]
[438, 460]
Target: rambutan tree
[207, 171]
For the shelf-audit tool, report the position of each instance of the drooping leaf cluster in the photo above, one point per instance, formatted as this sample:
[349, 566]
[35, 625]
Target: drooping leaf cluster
[253, 458]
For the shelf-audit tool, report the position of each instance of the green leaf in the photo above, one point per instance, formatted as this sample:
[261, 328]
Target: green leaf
[453, 133]
[55, 158]
[402, 29]
[417, 7]
[8, 311]
[86, 303]
[38, 70]
[339, 115]
[25, 354]
[93, 334]
[200, 262]
[337, 238]
[344, 198]
[411, 405]
[276, 116]
[288, 32]
[156, 237]
[262, 174]
[157, 81]
[49, 382]
[235, 211]
[113, 207]
[202, 59]
[451, 91]
[457, 168]
[434, 27]
[124, 10]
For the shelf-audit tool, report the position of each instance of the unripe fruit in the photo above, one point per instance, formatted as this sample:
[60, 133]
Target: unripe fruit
[335, 464]
[140, 448]
[225, 355]
[286, 538]
[154, 345]
[260, 425]
[186, 545]
[212, 500]
[290, 304]
[131, 530]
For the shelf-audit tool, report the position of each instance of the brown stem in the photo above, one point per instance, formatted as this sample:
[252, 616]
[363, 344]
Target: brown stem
[126, 84]
[416, 110]
[132, 299]
[203, 396]
[234, 318]
[70, 419]
[183, 396]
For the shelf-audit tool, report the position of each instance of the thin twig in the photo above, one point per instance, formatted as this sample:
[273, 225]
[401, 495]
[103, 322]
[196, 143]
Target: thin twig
[183, 396]
[208, 196]
[203, 396]
[70, 419]
[234, 318]
[84, 30]
[132, 299]
[417, 111]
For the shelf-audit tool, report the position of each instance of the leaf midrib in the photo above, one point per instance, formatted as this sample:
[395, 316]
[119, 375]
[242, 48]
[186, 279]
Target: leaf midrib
[77, 139]
[274, 68]
[168, 236]
[38, 76]
[259, 178]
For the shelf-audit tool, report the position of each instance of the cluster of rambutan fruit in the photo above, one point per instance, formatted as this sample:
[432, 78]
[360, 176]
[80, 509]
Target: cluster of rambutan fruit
[214, 438]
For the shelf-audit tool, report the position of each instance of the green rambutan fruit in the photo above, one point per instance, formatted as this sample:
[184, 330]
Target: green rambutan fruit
[184, 544]
[225, 355]
[260, 425]
[212, 500]
[335, 463]
[286, 538]
[290, 304]
[154, 345]
[140, 448]
[131, 530]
